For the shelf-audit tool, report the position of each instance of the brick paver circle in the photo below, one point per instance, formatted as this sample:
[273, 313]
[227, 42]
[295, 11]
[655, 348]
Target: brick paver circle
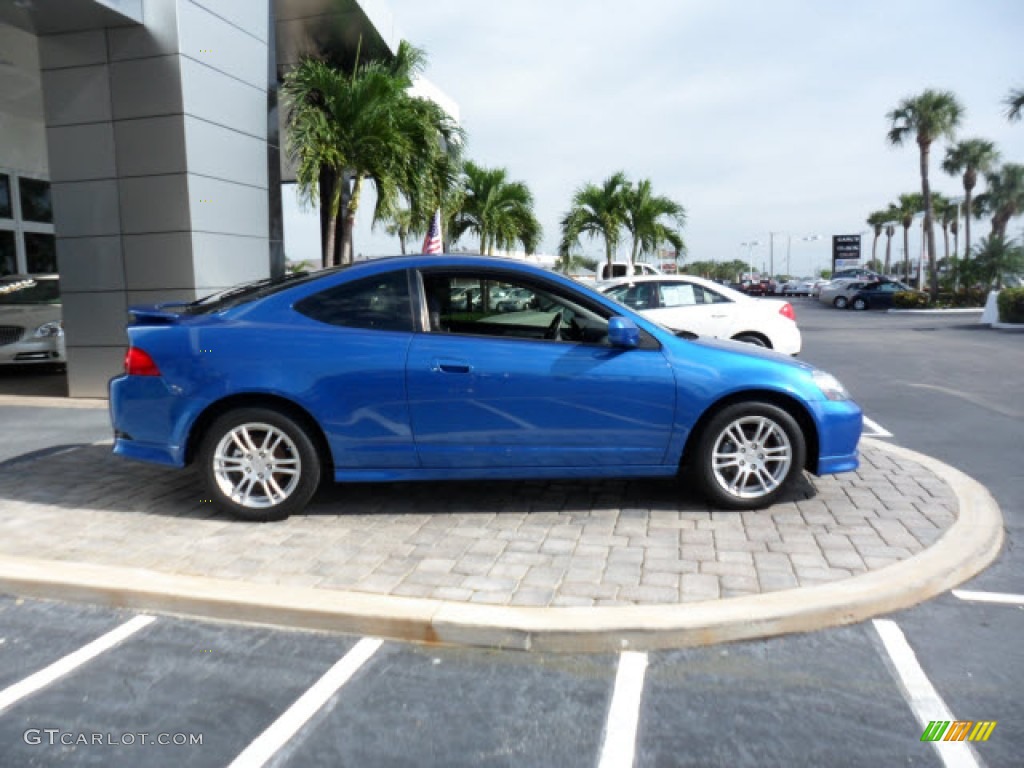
[544, 543]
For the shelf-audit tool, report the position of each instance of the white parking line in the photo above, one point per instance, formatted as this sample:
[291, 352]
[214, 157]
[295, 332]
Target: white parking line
[989, 597]
[624, 712]
[42, 678]
[308, 704]
[924, 700]
[877, 430]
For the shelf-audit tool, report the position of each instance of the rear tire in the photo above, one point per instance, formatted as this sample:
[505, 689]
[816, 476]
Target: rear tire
[259, 464]
[748, 455]
[840, 302]
[750, 338]
[860, 304]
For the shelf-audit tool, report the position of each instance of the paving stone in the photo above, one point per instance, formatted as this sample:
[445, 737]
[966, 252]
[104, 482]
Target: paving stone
[507, 539]
[650, 594]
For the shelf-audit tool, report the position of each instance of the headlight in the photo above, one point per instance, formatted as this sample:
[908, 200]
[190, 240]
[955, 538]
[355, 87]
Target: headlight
[830, 386]
[48, 330]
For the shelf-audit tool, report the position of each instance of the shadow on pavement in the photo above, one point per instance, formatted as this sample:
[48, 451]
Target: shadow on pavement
[92, 478]
[33, 381]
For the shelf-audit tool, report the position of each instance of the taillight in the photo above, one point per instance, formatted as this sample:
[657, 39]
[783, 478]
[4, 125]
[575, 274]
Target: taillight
[786, 310]
[138, 363]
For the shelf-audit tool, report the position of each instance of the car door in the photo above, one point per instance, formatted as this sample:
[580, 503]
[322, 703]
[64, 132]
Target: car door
[492, 389]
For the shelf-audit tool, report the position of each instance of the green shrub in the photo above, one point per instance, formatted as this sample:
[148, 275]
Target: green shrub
[964, 297]
[910, 300]
[1011, 305]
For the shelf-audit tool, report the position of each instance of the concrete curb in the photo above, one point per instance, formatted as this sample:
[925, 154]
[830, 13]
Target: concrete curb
[951, 311]
[970, 545]
[29, 401]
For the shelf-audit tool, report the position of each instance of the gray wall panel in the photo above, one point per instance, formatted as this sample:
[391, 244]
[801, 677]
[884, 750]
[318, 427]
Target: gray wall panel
[225, 154]
[251, 15]
[152, 146]
[87, 208]
[80, 95]
[81, 152]
[91, 368]
[146, 88]
[157, 297]
[213, 41]
[220, 99]
[224, 260]
[78, 49]
[94, 319]
[157, 37]
[155, 204]
[91, 263]
[233, 209]
[158, 261]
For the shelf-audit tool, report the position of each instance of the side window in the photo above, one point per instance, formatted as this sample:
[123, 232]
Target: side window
[380, 303]
[487, 304]
[679, 295]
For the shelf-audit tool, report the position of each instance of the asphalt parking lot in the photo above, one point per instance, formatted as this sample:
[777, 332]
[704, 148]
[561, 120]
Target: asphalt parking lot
[192, 685]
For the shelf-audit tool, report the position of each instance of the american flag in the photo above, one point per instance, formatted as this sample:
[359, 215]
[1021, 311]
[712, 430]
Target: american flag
[432, 242]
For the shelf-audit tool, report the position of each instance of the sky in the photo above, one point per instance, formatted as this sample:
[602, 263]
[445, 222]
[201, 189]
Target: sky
[757, 117]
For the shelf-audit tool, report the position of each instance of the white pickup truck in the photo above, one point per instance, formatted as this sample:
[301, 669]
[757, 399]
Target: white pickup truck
[624, 269]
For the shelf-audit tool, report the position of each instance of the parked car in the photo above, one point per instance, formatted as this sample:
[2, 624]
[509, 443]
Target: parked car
[838, 292]
[31, 328]
[364, 374]
[878, 295]
[858, 272]
[758, 287]
[624, 269]
[697, 307]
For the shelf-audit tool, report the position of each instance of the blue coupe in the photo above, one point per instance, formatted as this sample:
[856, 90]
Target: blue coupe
[384, 371]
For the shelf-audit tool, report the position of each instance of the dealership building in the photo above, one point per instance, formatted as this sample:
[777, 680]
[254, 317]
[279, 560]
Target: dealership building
[141, 148]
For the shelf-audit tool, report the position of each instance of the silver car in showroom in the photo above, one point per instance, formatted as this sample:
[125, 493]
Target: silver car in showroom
[31, 329]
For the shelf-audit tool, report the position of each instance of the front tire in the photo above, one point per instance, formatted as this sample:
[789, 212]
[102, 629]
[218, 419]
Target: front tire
[259, 464]
[748, 455]
[840, 302]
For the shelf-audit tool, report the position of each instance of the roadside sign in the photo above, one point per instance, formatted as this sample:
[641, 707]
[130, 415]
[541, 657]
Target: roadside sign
[845, 248]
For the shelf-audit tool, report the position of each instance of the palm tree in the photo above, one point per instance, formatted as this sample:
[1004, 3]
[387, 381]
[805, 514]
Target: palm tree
[597, 211]
[932, 115]
[970, 157]
[997, 257]
[400, 223]
[890, 230]
[947, 212]
[1004, 198]
[1015, 102]
[347, 128]
[908, 207]
[876, 220]
[646, 215]
[498, 211]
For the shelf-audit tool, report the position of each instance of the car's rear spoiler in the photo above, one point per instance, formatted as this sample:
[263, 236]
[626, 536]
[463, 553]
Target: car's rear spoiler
[157, 314]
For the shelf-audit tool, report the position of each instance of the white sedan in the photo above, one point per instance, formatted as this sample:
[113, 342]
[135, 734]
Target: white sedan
[692, 306]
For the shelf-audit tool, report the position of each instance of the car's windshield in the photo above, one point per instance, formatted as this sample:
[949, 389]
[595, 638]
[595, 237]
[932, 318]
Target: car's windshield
[29, 291]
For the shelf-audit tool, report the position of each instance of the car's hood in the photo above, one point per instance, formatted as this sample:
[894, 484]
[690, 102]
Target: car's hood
[750, 350]
[29, 315]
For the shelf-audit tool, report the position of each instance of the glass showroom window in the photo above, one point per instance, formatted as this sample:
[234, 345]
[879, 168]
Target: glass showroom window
[27, 241]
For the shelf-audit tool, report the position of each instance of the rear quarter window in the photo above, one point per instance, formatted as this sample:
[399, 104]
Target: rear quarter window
[380, 302]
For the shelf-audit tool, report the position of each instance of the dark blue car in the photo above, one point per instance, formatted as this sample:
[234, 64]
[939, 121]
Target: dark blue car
[384, 372]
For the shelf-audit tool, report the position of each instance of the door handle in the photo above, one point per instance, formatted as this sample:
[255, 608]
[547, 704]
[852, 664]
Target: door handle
[451, 366]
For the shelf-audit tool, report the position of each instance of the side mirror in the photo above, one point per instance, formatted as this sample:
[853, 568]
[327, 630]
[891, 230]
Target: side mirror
[622, 332]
